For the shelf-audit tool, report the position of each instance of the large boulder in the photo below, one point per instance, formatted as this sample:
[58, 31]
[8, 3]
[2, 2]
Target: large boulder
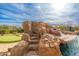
[49, 46]
[54, 32]
[25, 37]
[27, 26]
[39, 27]
[18, 50]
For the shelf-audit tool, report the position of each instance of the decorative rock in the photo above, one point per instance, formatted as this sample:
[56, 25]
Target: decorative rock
[54, 32]
[19, 49]
[48, 46]
[27, 26]
[26, 37]
[39, 27]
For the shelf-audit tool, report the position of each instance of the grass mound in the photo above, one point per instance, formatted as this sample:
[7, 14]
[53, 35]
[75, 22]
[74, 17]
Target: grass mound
[9, 38]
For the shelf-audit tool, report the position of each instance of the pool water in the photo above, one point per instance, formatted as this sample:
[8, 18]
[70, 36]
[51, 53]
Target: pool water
[71, 48]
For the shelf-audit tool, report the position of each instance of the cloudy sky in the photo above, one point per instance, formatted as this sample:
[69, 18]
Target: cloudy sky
[16, 13]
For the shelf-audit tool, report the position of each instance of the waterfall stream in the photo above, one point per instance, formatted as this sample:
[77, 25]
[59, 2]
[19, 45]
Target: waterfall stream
[71, 48]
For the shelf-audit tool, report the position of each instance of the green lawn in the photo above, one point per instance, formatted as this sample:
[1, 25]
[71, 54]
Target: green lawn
[9, 38]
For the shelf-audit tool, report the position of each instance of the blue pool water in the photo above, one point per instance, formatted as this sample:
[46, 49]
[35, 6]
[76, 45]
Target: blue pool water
[71, 48]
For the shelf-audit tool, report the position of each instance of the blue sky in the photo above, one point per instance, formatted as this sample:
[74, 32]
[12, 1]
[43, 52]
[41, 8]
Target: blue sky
[16, 13]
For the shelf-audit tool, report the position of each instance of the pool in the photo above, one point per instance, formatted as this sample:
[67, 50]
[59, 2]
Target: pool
[71, 48]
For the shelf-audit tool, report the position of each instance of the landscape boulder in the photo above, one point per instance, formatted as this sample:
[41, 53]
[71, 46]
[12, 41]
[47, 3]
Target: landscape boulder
[25, 37]
[39, 27]
[54, 32]
[49, 46]
[18, 50]
[27, 26]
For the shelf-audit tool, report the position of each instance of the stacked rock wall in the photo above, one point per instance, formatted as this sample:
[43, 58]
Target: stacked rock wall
[48, 46]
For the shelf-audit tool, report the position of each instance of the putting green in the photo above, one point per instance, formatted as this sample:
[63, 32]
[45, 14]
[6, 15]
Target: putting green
[9, 38]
